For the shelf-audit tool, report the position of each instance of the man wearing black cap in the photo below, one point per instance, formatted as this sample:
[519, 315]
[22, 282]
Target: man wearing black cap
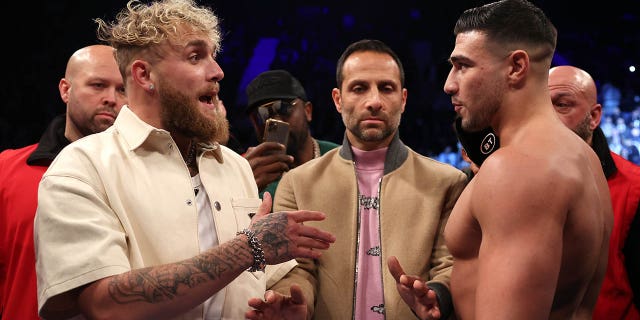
[276, 94]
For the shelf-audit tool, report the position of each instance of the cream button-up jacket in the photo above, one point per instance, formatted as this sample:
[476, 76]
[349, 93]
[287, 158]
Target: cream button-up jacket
[123, 199]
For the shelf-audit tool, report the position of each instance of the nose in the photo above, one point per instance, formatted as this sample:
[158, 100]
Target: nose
[111, 96]
[450, 86]
[374, 102]
[114, 97]
[216, 73]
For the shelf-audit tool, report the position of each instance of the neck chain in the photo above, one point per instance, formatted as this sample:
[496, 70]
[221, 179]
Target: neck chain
[316, 149]
[191, 155]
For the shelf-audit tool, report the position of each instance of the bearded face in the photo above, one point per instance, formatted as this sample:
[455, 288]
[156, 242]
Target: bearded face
[183, 115]
[486, 98]
[297, 139]
[583, 128]
[354, 122]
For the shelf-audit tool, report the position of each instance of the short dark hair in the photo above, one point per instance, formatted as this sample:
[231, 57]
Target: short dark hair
[511, 21]
[367, 45]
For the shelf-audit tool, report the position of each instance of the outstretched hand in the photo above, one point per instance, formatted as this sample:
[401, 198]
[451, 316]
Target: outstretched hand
[414, 292]
[279, 307]
[284, 237]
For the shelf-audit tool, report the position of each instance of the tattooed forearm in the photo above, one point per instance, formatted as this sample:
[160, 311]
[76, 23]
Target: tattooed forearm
[273, 234]
[162, 283]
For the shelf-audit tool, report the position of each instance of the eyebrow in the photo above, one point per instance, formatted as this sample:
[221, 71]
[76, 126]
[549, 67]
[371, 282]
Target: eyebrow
[563, 94]
[197, 43]
[458, 58]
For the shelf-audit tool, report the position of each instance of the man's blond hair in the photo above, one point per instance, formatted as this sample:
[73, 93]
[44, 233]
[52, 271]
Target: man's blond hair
[140, 28]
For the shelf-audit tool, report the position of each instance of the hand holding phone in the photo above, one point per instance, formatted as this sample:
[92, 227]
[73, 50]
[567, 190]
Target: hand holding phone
[277, 131]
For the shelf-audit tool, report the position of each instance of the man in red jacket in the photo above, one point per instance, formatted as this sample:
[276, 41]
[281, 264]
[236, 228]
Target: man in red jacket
[93, 90]
[574, 97]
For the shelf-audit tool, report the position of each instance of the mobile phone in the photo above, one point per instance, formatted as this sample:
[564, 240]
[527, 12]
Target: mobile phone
[276, 130]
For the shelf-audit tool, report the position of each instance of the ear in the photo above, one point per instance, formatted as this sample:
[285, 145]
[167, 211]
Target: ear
[519, 65]
[64, 86]
[141, 74]
[337, 99]
[596, 116]
[308, 110]
[404, 98]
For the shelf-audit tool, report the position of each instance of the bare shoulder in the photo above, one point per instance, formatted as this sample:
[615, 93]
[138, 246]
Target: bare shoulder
[523, 185]
[510, 171]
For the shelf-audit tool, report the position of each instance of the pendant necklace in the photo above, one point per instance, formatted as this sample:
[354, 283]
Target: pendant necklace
[191, 155]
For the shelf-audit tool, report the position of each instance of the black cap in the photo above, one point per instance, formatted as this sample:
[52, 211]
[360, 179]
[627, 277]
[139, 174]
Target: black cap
[479, 144]
[273, 85]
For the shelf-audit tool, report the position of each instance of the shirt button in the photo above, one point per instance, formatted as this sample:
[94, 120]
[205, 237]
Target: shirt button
[189, 202]
[217, 205]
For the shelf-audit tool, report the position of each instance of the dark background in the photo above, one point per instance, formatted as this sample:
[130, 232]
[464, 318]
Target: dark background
[40, 36]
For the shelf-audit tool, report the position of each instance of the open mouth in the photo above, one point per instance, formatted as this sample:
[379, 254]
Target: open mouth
[207, 99]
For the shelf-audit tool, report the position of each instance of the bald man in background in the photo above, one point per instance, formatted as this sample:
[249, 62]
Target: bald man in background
[93, 91]
[574, 96]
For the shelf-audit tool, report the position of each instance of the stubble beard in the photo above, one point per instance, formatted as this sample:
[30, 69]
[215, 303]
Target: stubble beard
[487, 108]
[297, 140]
[582, 129]
[92, 124]
[369, 134]
[184, 116]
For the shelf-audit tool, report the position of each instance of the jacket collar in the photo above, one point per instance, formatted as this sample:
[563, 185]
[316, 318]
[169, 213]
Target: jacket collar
[50, 144]
[136, 132]
[396, 154]
[601, 147]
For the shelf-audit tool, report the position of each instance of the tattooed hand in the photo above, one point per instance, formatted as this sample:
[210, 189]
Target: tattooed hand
[284, 237]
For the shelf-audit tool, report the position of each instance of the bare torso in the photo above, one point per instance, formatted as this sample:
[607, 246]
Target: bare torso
[529, 234]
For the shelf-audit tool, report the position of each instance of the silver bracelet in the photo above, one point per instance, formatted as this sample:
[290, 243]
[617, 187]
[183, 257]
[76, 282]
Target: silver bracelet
[259, 262]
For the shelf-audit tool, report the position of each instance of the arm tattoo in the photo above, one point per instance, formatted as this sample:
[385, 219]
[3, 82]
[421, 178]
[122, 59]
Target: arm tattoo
[166, 282]
[273, 232]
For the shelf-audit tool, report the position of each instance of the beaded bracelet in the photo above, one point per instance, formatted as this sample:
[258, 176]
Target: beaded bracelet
[259, 262]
